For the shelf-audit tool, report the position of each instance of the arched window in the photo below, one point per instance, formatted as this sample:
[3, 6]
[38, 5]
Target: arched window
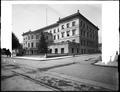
[56, 50]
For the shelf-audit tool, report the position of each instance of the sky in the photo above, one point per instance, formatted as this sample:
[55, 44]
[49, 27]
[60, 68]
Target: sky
[27, 17]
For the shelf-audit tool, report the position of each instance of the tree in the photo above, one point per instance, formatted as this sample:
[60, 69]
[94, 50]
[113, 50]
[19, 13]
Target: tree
[15, 42]
[21, 50]
[5, 51]
[42, 45]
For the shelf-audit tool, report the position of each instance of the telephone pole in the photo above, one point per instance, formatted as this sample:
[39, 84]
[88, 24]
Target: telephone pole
[46, 17]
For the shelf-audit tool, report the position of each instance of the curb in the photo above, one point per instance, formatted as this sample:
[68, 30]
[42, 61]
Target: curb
[104, 65]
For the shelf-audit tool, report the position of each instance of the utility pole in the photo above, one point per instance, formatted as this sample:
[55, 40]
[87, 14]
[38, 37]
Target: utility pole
[46, 17]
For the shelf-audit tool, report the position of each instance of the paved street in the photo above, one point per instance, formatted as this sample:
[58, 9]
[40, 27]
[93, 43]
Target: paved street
[78, 67]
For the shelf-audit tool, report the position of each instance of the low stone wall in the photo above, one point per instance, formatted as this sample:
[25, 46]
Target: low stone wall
[56, 55]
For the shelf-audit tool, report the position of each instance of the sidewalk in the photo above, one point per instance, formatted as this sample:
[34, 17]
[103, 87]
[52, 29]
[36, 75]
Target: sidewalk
[40, 64]
[41, 58]
[64, 61]
[109, 64]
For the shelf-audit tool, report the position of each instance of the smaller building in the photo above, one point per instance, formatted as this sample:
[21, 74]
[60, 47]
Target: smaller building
[31, 41]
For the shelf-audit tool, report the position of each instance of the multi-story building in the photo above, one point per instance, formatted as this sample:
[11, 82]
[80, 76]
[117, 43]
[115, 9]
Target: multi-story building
[73, 34]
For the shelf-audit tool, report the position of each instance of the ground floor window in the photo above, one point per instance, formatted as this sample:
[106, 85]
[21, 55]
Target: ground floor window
[31, 51]
[72, 50]
[56, 51]
[32, 44]
[82, 51]
[62, 50]
[77, 50]
[50, 50]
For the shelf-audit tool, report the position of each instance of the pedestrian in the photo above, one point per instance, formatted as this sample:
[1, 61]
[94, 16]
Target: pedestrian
[116, 56]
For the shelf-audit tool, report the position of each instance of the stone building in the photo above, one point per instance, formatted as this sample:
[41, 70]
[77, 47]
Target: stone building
[73, 34]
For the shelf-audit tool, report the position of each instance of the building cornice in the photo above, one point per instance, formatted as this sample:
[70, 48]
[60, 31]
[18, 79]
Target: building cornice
[61, 20]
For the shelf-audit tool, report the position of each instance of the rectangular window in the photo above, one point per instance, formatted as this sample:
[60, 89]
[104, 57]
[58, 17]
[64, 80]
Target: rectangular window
[50, 31]
[68, 33]
[31, 36]
[84, 43]
[73, 31]
[77, 50]
[90, 35]
[50, 50]
[28, 37]
[32, 44]
[54, 30]
[28, 44]
[37, 44]
[56, 50]
[58, 29]
[37, 36]
[62, 26]
[62, 33]
[46, 37]
[54, 37]
[87, 28]
[87, 34]
[58, 36]
[83, 33]
[81, 42]
[72, 50]
[81, 23]
[84, 25]
[93, 36]
[84, 51]
[68, 25]
[73, 23]
[62, 50]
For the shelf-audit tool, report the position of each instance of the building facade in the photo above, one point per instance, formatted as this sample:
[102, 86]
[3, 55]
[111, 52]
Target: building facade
[73, 34]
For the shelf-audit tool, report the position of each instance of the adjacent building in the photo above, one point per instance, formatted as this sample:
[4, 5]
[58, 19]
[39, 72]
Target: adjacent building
[73, 34]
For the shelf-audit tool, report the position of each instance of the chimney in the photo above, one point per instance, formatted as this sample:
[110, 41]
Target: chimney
[77, 11]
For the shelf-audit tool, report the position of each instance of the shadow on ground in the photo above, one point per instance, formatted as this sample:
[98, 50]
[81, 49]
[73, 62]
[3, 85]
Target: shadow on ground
[47, 68]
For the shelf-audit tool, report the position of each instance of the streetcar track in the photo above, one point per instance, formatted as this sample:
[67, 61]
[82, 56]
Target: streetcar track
[36, 81]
